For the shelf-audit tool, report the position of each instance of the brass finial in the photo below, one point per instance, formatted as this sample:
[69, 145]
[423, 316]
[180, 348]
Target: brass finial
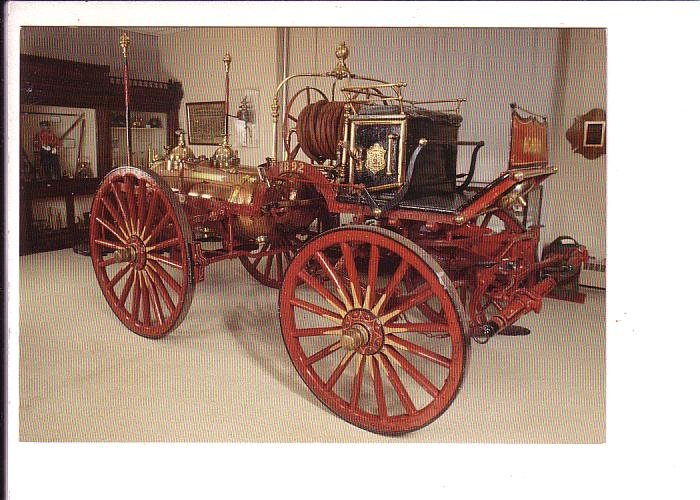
[341, 70]
[227, 61]
[124, 42]
[341, 52]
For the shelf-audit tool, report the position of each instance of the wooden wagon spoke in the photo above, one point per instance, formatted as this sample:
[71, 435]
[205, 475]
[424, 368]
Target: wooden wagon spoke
[322, 291]
[145, 301]
[115, 216]
[344, 362]
[130, 203]
[400, 389]
[141, 206]
[316, 332]
[351, 269]
[318, 310]
[108, 262]
[155, 300]
[127, 287]
[391, 287]
[118, 276]
[416, 327]
[420, 295]
[172, 242]
[357, 382]
[268, 266]
[109, 244]
[379, 388]
[157, 230]
[164, 260]
[160, 288]
[372, 272]
[160, 271]
[280, 268]
[136, 298]
[331, 273]
[257, 260]
[120, 204]
[418, 350]
[412, 371]
[153, 203]
[111, 229]
[323, 353]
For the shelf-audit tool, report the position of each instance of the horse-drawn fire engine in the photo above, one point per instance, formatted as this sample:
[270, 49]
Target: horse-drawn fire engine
[388, 261]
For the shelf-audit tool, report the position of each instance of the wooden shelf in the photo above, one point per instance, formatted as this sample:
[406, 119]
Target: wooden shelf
[33, 239]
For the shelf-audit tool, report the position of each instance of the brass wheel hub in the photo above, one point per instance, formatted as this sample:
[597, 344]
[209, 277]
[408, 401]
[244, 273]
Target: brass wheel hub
[134, 252]
[362, 332]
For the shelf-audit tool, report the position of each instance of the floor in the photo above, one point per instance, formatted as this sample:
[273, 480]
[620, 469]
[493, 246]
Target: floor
[224, 375]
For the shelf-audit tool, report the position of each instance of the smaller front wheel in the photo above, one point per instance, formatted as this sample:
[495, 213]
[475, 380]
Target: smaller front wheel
[139, 244]
[356, 336]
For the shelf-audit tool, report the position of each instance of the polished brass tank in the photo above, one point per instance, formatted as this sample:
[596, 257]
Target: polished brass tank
[285, 205]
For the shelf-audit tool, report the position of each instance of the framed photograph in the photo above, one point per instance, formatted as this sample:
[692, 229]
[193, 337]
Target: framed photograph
[206, 122]
[594, 134]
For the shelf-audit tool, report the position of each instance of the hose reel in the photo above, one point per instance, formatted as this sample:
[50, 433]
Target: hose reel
[318, 127]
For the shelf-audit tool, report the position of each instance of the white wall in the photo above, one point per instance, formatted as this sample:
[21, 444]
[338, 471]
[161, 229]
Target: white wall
[576, 197]
[194, 57]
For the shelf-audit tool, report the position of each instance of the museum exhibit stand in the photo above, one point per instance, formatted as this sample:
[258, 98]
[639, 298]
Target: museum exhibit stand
[72, 132]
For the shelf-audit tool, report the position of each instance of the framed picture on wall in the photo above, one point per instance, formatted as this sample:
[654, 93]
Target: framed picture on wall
[594, 134]
[206, 122]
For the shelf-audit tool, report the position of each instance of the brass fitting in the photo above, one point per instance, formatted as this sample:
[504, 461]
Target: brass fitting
[354, 337]
[126, 254]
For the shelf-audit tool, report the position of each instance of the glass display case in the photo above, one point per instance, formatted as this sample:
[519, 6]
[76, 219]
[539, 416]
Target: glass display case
[70, 140]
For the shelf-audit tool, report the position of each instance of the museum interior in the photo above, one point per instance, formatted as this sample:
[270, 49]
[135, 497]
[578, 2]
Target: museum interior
[224, 374]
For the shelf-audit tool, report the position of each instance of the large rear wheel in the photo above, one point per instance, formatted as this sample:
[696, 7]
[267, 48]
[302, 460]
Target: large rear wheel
[358, 339]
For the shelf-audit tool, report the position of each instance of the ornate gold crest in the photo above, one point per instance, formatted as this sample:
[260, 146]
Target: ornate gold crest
[376, 158]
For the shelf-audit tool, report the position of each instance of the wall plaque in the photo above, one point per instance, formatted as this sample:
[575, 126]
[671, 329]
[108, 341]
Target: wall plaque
[587, 135]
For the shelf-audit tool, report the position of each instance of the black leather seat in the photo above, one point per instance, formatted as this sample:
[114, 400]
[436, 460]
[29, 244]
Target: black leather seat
[447, 203]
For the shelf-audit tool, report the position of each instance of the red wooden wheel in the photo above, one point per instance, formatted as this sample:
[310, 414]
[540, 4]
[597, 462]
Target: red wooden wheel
[299, 101]
[139, 244]
[359, 341]
[270, 269]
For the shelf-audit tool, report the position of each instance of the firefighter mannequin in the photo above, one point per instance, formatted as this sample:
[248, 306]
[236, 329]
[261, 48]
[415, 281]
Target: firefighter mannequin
[48, 142]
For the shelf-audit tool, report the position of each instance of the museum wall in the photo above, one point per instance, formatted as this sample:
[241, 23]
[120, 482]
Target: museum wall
[577, 195]
[94, 45]
[195, 57]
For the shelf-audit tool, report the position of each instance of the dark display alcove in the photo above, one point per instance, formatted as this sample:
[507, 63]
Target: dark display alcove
[60, 83]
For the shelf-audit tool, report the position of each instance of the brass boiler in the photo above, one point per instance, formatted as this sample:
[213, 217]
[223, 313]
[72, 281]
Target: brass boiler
[285, 206]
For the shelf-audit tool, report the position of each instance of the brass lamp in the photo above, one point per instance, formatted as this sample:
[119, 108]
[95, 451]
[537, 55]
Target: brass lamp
[179, 152]
[225, 157]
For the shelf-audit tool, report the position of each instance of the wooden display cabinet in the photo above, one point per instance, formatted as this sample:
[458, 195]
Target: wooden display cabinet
[46, 82]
